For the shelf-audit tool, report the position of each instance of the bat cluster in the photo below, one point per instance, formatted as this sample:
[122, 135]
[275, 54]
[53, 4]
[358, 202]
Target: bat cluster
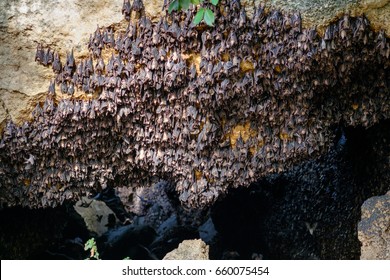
[264, 96]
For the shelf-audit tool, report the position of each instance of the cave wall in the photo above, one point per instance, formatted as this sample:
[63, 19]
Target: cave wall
[62, 25]
[206, 108]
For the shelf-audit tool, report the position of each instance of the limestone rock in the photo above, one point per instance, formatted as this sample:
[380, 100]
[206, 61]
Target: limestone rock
[321, 13]
[59, 24]
[96, 214]
[194, 249]
[373, 229]
[127, 242]
[62, 25]
[154, 9]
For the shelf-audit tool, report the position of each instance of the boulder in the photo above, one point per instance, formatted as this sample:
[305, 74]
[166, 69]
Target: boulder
[97, 216]
[194, 249]
[373, 229]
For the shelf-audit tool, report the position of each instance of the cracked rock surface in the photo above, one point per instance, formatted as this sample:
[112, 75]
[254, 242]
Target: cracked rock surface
[374, 228]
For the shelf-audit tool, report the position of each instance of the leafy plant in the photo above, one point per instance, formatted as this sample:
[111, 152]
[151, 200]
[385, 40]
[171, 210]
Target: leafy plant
[205, 14]
[91, 245]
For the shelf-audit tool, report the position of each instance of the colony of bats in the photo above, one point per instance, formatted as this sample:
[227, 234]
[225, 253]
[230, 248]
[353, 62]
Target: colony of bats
[265, 95]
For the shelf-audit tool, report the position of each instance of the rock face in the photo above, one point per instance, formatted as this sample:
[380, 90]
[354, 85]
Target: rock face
[97, 216]
[190, 250]
[265, 95]
[321, 13]
[62, 25]
[373, 230]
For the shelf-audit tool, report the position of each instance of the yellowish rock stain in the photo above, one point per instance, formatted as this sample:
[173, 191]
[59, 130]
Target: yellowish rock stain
[26, 182]
[192, 59]
[278, 69]
[198, 174]
[246, 132]
[247, 66]
[284, 136]
[225, 57]
[241, 130]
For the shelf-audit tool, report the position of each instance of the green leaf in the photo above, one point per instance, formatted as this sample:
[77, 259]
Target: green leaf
[174, 6]
[209, 17]
[185, 4]
[214, 2]
[199, 16]
[89, 244]
[196, 2]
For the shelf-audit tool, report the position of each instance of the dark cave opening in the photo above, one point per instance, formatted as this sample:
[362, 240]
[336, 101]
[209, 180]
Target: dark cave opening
[311, 211]
[41, 233]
